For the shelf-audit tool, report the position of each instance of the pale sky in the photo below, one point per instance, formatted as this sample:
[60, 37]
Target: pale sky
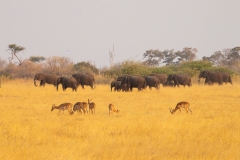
[89, 28]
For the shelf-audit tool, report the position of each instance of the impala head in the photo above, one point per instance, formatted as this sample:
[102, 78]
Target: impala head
[171, 110]
[117, 111]
[52, 107]
[89, 100]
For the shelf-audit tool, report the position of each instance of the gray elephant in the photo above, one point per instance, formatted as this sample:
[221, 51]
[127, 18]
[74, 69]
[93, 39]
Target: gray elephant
[215, 77]
[45, 78]
[211, 77]
[117, 85]
[162, 77]
[134, 81]
[85, 79]
[152, 81]
[180, 79]
[67, 82]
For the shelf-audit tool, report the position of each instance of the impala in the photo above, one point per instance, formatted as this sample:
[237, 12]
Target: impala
[80, 106]
[112, 109]
[62, 107]
[180, 105]
[91, 106]
[84, 107]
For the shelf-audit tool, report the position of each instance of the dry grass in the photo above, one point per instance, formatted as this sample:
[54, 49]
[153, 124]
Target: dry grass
[144, 128]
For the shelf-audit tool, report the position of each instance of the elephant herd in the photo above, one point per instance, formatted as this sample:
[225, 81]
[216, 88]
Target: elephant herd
[67, 82]
[128, 82]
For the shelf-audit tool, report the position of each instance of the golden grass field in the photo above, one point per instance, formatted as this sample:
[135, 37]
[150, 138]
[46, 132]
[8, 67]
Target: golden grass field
[144, 128]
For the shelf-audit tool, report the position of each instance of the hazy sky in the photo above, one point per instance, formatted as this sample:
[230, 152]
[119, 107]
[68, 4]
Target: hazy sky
[89, 28]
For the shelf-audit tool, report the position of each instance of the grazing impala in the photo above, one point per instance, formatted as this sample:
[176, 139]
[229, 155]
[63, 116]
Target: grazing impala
[91, 106]
[80, 106]
[112, 109]
[77, 107]
[62, 107]
[180, 105]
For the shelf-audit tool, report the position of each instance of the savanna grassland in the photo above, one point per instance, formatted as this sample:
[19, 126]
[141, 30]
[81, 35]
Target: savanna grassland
[144, 128]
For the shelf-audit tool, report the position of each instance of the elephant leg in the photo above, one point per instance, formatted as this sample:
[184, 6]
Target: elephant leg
[41, 83]
[44, 82]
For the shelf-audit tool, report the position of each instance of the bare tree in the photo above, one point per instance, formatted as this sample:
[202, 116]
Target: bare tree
[14, 50]
[58, 65]
[111, 57]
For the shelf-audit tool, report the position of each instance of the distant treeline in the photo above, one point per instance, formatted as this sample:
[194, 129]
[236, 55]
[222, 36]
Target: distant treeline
[63, 66]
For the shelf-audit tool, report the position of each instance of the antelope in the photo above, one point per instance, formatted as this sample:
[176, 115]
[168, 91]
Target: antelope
[79, 106]
[112, 109]
[84, 107]
[62, 107]
[180, 105]
[91, 106]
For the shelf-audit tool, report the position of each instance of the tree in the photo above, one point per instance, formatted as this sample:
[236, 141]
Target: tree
[58, 65]
[187, 54]
[154, 57]
[37, 58]
[14, 49]
[85, 67]
[169, 57]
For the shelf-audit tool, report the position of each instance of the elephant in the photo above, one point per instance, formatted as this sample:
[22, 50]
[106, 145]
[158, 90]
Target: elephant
[85, 79]
[67, 82]
[152, 81]
[162, 77]
[211, 77]
[117, 85]
[45, 78]
[133, 81]
[180, 79]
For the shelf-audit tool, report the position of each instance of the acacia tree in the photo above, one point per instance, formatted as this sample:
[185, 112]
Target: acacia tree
[14, 50]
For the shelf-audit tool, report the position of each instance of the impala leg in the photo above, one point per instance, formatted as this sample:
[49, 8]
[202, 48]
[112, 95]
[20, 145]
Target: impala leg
[190, 110]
